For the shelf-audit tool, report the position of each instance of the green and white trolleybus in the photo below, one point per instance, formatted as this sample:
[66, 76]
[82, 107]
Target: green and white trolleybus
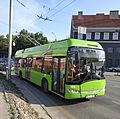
[70, 68]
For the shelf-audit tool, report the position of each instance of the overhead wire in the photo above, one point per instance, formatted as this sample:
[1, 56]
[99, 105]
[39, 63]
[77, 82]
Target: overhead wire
[39, 16]
[47, 18]
[21, 3]
[62, 8]
[51, 9]
[57, 4]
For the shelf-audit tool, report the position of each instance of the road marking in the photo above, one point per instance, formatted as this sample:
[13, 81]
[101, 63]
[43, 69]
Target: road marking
[118, 103]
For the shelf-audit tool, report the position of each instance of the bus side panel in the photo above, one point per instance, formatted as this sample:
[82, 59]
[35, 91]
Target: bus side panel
[23, 72]
[72, 91]
[49, 79]
[93, 88]
[36, 77]
[86, 90]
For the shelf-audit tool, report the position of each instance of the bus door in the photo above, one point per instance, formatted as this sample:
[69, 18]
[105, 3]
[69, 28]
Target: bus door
[58, 75]
[28, 68]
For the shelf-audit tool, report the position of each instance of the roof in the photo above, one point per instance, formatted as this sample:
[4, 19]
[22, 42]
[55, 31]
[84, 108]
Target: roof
[58, 48]
[19, 53]
[99, 20]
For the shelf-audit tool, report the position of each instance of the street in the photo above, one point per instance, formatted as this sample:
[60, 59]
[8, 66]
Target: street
[105, 107]
[53, 52]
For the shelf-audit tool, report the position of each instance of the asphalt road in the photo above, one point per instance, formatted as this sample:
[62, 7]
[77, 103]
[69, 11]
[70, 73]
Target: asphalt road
[105, 107]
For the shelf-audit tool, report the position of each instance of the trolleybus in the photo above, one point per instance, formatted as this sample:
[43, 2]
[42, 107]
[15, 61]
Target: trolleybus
[70, 68]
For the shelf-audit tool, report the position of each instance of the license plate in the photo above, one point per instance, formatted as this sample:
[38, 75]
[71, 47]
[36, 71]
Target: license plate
[90, 96]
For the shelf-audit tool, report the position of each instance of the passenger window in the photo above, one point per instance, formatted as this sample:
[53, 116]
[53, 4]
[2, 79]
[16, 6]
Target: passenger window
[24, 62]
[37, 63]
[47, 68]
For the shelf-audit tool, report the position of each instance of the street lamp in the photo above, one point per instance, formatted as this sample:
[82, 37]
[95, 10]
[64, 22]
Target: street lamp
[13, 44]
[54, 36]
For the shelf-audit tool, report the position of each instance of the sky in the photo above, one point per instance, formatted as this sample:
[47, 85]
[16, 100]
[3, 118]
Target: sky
[25, 15]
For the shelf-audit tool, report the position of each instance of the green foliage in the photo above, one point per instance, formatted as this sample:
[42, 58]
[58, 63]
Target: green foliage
[22, 40]
[3, 46]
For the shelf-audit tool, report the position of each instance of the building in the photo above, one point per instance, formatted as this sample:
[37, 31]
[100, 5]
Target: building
[102, 28]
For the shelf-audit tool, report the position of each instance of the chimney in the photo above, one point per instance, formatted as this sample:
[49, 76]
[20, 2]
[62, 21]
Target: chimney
[114, 14]
[80, 14]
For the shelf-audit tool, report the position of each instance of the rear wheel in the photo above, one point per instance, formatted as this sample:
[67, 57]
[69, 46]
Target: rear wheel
[45, 86]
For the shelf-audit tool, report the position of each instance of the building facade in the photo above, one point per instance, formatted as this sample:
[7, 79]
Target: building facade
[102, 28]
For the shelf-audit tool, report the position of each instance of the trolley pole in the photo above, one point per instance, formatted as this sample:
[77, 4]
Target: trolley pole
[8, 71]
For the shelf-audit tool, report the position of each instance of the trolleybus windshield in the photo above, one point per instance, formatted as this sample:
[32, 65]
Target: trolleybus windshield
[85, 64]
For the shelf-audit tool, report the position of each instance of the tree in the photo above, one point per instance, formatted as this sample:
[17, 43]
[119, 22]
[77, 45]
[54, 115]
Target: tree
[22, 40]
[3, 46]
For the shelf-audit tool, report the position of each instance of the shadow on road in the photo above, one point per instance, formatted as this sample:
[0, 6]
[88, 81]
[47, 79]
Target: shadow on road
[35, 95]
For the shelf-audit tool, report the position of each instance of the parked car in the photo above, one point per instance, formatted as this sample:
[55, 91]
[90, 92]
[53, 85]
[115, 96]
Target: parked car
[4, 65]
[114, 69]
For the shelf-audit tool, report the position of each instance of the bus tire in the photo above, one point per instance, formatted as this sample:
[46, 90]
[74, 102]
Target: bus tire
[45, 85]
[20, 75]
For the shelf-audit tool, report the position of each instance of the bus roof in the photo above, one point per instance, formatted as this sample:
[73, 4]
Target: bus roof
[58, 48]
[19, 53]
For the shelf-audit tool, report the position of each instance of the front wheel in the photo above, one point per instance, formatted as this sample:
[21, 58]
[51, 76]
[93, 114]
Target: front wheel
[45, 86]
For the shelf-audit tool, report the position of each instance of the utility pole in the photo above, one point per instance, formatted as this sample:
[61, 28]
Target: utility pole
[10, 40]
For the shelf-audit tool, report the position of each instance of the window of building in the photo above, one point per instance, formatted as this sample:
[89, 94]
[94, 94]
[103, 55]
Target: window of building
[109, 62]
[118, 49]
[110, 50]
[93, 35]
[101, 35]
[84, 36]
[115, 36]
[80, 36]
[88, 36]
[106, 36]
[97, 36]
[76, 35]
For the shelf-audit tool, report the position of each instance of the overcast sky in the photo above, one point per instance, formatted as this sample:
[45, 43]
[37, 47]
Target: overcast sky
[59, 11]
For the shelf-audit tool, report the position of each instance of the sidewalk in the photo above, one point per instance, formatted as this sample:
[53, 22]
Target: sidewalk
[4, 107]
[13, 104]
